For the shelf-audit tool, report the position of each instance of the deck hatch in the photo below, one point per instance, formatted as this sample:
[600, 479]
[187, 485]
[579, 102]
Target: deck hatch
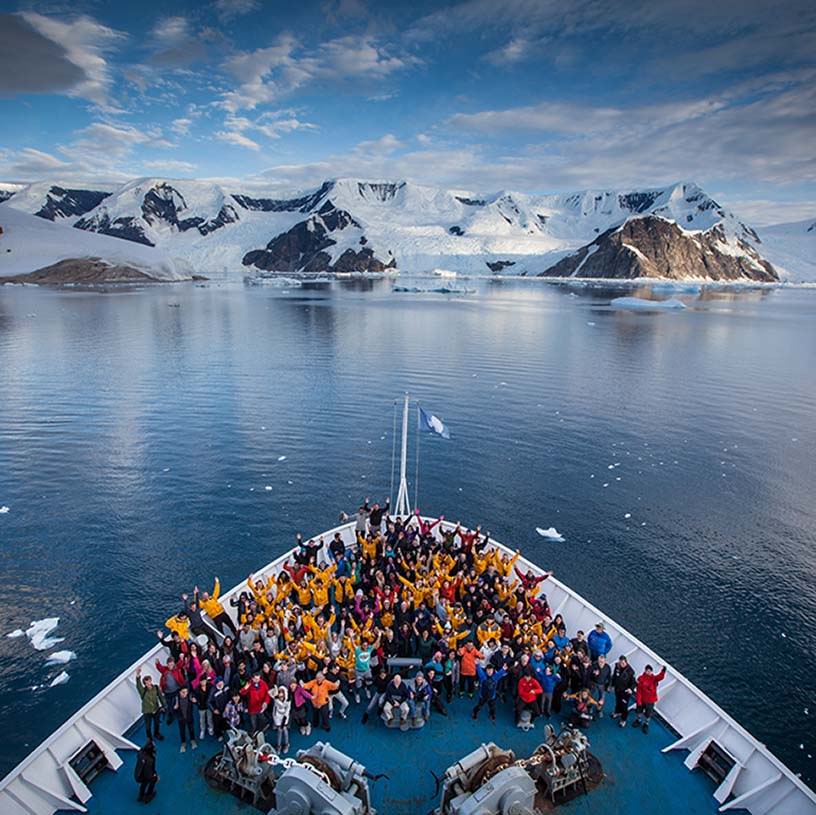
[89, 762]
[715, 762]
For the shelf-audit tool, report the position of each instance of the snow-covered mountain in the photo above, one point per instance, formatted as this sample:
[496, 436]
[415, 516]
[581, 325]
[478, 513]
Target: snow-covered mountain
[791, 247]
[29, 244]
[351, 225]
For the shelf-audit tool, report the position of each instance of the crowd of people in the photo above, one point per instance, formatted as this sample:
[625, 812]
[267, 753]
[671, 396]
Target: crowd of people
[412, 616]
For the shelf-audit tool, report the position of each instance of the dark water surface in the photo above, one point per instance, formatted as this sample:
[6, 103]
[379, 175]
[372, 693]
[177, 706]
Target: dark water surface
[137, 440]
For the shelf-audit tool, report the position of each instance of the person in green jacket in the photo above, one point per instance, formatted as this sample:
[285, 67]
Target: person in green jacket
[153, 703]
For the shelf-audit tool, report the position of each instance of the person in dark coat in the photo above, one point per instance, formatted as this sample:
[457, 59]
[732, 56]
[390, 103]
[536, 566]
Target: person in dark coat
[623, 683]
[145, 772]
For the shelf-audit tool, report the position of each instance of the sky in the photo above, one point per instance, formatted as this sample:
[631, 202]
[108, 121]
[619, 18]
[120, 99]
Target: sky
[482, 95]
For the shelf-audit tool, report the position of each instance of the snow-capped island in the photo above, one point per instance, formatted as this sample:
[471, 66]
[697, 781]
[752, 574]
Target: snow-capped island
[163, 230]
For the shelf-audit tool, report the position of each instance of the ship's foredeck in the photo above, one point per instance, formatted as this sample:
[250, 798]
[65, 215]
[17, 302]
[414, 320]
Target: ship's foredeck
[639, 778]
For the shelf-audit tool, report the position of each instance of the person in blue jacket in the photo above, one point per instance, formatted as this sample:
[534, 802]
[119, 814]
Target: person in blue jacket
[548, 680]
[489, 679]
[561, 639]
[599, 642]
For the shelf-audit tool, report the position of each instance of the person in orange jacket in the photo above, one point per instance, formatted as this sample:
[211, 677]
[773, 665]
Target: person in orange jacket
[469, 655]
[320, 688]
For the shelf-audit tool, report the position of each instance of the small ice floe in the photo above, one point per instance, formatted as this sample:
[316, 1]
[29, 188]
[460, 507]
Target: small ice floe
[642, 304]
[34, 687]
[784, 635]
[591, 323]
[72, 603]
[611, 467]
[550, 534]
[60, 657]
[807, 712]
[3, 510]
[61, 679]
[263, 427]
[18, 632]
[268, 488]
[38, 633]
[607, 484]
[281, 458]
[628, 515]
[166, 470]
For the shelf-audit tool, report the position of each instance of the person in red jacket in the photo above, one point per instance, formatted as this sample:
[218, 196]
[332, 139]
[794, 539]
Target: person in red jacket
[256, 694]
[647, 695]
[527, 695]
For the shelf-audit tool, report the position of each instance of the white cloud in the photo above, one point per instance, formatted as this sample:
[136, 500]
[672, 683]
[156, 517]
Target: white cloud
[181, 126]
[171, 166]
[29, 163]
[85, 42]
[754, 130]
[229, 9]
[268, 74]
[237, 138]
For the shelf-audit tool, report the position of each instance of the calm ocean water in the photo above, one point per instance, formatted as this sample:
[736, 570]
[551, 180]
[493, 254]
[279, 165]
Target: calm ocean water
[140, 429]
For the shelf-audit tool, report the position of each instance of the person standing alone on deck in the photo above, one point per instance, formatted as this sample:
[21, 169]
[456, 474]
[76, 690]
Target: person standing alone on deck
[145, 772]
[647, 695]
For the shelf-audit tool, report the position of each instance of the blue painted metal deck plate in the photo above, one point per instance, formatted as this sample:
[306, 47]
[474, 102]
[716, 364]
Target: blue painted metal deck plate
[639, 778]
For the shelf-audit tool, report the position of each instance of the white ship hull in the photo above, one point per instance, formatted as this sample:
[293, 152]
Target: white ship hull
[44, 781]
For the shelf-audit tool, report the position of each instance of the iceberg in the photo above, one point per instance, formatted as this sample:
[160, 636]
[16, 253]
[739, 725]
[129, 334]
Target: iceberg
[60, 657]
[61, 679]
[3, 510]
[38, 633]
[551, 534]
[18, 632]
[642, 304]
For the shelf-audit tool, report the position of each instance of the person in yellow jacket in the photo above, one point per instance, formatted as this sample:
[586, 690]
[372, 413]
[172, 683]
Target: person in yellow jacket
[503, 563]
[318, 627]
[215, 611]
[180, 623]
[488, 630]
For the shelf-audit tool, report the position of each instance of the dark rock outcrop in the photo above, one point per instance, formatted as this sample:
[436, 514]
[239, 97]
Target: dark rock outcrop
[304, 204]
[163, 204]
[302, 248]
[128, 229]
[498, 265]
[63, 203]
[456, 230]
[83, 271]
[654, 247]
[471, 202]
[5, 195]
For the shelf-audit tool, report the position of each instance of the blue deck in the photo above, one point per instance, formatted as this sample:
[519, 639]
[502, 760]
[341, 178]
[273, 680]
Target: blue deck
[639, 778]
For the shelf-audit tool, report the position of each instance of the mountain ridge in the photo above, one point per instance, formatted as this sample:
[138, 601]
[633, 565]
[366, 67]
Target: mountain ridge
[373, 226]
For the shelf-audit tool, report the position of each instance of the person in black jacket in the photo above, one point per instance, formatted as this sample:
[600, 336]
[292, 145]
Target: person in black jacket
[624, 684]
[184, 716]
[600, 676]
[145, 772]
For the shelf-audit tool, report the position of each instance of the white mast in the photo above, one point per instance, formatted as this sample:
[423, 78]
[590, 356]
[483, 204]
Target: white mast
[403, 507]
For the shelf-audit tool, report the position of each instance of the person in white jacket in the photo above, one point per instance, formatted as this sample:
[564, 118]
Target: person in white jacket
[281, 706]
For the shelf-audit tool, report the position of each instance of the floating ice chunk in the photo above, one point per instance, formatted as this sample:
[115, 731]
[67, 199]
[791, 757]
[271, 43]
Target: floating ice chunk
[72, 603]
[642, 304]
[611, 467]
[607, 484]
[60, 657]
[591, 323]
[3, 510]
[268, 488]
[290, 482]
[281, 458]
[34, 687]
[61, 679]
[18, 632]
[784, 635]
[628, 515]
[38, 633]
[263, 427]
[551, 534]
